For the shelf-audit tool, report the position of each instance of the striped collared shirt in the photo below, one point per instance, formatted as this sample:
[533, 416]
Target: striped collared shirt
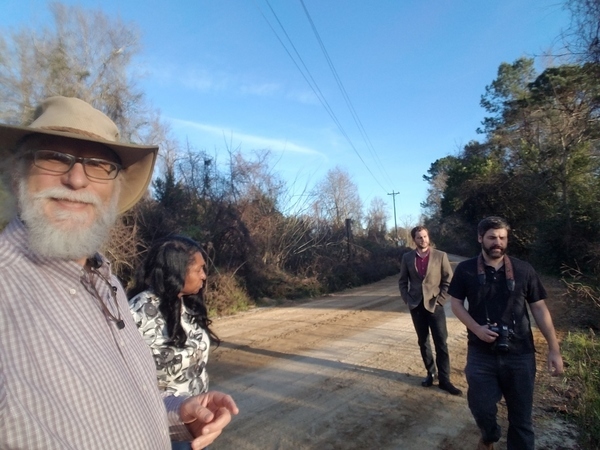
[69, 377]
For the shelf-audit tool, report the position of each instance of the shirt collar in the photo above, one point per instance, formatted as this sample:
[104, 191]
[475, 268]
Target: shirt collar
[423, 255]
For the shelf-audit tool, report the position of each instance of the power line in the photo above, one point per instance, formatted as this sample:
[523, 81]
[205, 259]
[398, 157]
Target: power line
[313, 84]
[345, 95]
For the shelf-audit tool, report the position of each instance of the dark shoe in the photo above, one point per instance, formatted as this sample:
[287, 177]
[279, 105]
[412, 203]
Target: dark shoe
[482, 445]
[428, 382]
[450, 388]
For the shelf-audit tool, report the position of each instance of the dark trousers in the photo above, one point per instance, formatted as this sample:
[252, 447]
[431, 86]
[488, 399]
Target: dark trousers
[491, 376]
[181, 445]
[424, 321]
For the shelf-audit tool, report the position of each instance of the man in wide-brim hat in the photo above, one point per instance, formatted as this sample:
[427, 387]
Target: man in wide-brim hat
[74, 370]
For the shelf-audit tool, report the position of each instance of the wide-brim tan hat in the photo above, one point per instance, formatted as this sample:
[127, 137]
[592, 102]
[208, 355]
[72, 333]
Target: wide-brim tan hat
[75, 119]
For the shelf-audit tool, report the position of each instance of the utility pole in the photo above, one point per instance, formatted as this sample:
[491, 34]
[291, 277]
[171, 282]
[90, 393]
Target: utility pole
[349, 238]
[393, 194]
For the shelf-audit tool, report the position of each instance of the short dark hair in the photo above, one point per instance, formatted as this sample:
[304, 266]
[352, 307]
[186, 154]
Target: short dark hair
[492, 222]
[416, 229]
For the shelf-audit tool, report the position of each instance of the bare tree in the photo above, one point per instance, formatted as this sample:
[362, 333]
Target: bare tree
[336, 199]
[407, 223]
[583, 35]
[276, 223]
[83, 54]
[376, 220]
[255, 178]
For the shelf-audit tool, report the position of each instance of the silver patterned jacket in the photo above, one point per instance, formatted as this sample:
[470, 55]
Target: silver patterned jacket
[180, 371]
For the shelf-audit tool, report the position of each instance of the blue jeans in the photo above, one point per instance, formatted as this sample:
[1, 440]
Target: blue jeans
[424, 321]
[491, 376]
[180, 445]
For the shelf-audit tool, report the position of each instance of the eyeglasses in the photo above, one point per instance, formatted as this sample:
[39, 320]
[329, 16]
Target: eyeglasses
[57, 162]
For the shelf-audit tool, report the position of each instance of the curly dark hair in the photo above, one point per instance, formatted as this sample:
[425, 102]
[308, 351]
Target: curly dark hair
[164, 272]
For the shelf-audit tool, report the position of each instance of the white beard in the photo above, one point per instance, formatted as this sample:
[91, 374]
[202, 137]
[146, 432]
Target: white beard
[69, 235]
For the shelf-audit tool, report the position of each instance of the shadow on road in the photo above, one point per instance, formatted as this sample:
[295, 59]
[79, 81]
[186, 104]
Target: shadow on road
[232, 369]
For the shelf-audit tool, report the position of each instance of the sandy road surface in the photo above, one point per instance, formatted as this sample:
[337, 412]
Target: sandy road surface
[339, 372]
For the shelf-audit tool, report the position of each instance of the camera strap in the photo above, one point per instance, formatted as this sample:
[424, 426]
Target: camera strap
[508, 270]
[510, 284]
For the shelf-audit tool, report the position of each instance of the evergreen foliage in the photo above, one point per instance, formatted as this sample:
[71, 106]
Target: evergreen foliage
[539, 166]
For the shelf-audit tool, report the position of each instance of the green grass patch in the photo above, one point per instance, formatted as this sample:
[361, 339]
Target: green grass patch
[582, 352]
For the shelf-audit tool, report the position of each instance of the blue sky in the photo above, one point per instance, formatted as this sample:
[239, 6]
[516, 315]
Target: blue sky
[413, 71]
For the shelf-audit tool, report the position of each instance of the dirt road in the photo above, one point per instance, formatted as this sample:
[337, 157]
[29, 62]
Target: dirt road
[343, 372]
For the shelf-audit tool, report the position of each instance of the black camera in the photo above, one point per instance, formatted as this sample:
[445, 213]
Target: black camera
[505, 334]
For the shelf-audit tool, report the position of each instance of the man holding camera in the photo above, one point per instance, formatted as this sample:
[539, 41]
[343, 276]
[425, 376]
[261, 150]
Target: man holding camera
[501, 353]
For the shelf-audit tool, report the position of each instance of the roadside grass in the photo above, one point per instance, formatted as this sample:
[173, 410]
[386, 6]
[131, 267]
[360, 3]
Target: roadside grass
[225, 295]
[576, 395]
[581, 350]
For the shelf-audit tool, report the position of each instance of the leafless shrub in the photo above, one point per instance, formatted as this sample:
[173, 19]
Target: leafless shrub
[225, 294]
[584, 287]
[123, 247]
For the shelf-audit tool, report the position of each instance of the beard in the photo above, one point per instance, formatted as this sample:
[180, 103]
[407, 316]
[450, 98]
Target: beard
[70, 235]
[494, 252]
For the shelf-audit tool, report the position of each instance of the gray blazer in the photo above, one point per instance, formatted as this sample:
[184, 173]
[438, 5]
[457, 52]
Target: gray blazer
[430, 290]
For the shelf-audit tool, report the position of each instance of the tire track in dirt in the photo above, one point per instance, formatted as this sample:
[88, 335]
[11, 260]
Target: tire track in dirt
[344, 372]
[341, 372]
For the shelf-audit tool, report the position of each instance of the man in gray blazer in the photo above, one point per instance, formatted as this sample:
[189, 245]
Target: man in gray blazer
[425, 275]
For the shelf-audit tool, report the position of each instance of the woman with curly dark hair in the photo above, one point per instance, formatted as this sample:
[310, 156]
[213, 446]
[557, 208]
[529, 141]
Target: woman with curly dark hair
[167, 303]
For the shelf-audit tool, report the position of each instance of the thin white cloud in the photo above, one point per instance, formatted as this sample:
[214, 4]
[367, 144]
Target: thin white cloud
[306, 96]
[261, 90]
[195, 79]
[253, 141]
[204, 80]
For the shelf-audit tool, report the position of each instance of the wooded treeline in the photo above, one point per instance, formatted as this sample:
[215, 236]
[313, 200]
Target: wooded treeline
[258, 235]
[239, 214]
[537, 164]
